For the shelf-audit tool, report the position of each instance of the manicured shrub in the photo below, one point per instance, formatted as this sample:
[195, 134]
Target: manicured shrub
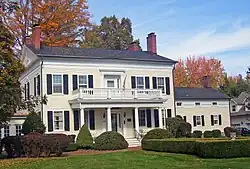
[12, 146]
[216, 133]
[186, 146]
[184, 130]
[50, 145]
[32, 144]
[228, 130]
[110, 141]
[158, 134]
[33, 123]
[197, 134]
[72, 147]
[208, 134]
[72, 138]
[62, 139]
[84, 138]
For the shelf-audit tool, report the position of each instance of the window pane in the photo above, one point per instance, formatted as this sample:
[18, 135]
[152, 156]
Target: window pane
[160, 81]
[58, 120]
[198, 120]
[57, 79]
[57, 83]
[57, 88]
[142, 118]
[110, 83]
[82, 80]
[6, 131]
[140, 81]
[18, 130]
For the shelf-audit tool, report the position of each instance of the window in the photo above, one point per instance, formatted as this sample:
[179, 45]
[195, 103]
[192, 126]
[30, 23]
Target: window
[178, 103]
[216, 119]
[18, 130]
[83, 81]
[197, 104]
[58, 120]
[169, 113]
[57, 84]
[6, 131]
[198, 120]
[140, 82]
[161, 84]
[142, 118]
[214, 103]
[110, 83]
[233, 108]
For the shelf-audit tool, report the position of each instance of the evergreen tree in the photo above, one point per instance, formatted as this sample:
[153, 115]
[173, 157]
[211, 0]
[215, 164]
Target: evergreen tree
[33, 123]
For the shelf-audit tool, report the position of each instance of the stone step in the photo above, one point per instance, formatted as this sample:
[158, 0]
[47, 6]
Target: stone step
[133, 142]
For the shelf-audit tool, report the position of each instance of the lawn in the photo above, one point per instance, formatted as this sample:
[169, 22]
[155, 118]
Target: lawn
[127, 160]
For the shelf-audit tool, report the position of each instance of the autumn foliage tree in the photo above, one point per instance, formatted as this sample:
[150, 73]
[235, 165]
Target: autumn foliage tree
[61, 21]
[189, 72]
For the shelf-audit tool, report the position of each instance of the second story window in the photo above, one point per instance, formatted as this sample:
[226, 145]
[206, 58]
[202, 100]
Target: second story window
[161, 84]
[139, 82]
[57, 84]
[83, 81]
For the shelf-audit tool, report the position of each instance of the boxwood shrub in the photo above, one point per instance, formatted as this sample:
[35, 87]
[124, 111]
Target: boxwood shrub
[197, 134]
[208, 134]
[72, 147]
[206, 148]
[158, 134]
[216, 133]
[110, 140]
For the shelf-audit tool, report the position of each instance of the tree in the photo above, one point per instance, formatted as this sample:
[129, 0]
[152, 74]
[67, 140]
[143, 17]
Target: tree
[84, 138]
[61, 21]
[189, 72]
[112, 33]
[33, 123]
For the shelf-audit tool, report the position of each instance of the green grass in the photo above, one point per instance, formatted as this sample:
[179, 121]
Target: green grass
[127, 160]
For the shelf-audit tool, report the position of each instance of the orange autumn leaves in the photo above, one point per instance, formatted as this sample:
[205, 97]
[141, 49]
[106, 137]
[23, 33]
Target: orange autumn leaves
[189, 72]
[60, 20]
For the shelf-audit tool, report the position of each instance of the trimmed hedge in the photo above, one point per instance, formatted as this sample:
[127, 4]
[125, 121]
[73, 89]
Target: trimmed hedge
[12, 146]
[158, 134]
[110, 140]
[84, 138]
[208, 134]
[197, 134]
[206, 148]
[62, 139]
[72, 147]
[216, 133]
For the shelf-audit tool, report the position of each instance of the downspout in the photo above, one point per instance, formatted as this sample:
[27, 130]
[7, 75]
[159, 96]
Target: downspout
[41, 86]
[174, 89]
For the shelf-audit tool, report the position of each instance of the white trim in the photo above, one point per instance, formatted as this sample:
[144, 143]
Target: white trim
[61, 130]
[56, 74]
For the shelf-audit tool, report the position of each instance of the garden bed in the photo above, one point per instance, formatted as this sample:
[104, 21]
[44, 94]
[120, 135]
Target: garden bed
[206, 148]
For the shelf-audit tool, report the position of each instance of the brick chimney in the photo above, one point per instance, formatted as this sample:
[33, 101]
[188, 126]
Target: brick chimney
[206, 81]
[151, 43]
[36, 36]
[28, 40]
[134, 46]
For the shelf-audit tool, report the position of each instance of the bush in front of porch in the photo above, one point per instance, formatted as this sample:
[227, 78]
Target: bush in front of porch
[84, 138]
[158, 134]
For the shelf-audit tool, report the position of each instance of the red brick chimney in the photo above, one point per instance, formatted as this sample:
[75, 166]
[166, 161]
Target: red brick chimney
[36, 36]
[151, 43]
[134, 46]
[28, 40]
[206, 81]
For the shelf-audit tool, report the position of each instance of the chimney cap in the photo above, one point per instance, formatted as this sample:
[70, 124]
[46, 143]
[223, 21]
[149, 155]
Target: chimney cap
[152, 33]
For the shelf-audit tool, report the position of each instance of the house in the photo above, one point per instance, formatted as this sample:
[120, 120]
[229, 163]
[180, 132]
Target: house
[127, 91]
[204, 108]
[240, 111]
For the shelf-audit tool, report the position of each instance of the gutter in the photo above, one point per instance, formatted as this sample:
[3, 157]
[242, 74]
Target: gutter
[174, 89]
[41, 86]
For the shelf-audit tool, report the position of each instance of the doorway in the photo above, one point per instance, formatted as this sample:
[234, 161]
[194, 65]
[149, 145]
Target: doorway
[116, 122]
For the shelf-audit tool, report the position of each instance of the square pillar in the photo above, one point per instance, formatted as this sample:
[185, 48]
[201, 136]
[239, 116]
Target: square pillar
[160, 117]
[82, 116]
[109, 126]
[136, 121]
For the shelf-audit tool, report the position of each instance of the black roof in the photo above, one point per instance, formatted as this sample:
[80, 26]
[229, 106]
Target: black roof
[198, 93]
[98, 53]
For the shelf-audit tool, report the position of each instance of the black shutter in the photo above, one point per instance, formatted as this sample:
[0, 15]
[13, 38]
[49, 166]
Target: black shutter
[133, 118]
[49, 84]
[156, 117]
[147, 85]
[169, 113]
[91, 119]
[167, 85]
[50, 121]
[194, 120]
[154, 83]
[28, 90]
[25, 92]
[38, 85]
[34, 86]
[185, 118]
[66, 120]
[149, 122]
[133, 84]
[212, 120]
[76, 119]
[220, 121]
[75, 82]
[202, 120]
[91, 83]
[65, 84]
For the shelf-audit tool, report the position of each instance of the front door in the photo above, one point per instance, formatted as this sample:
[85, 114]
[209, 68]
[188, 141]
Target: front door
[116, 122]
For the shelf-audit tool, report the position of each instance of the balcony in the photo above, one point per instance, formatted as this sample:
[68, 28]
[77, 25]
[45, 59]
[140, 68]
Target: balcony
[116, 93]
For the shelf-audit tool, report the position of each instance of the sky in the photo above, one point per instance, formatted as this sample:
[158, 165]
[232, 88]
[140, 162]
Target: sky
[211, 28]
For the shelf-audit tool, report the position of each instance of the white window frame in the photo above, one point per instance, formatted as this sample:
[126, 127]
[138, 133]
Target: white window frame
[233, 108]
[145, 115]
[7, 129]
[136, 83]
[19, 133]
[54, 129]
[198, 118]
[214, 103]
[164, 84]
[87, 78]
[216, 119]
[179, 103]
[56, 74]
[197, 103]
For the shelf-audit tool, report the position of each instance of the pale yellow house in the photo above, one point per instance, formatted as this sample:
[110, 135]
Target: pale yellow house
[127, 91]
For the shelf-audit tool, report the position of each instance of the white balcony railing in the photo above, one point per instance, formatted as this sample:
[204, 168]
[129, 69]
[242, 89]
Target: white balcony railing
[116, 93]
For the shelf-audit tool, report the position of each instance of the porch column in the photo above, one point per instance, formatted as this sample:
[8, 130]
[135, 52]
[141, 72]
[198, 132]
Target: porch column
[109, 119]
[136, 121]
[82, 116]
[160, 117]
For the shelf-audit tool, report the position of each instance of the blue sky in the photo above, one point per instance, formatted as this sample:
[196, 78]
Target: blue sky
[213, 28]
